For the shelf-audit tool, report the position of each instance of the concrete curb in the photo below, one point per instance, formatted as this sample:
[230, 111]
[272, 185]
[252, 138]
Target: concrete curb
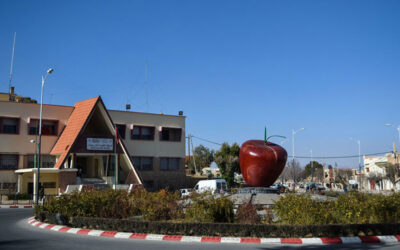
[16, 206]
[386, 239]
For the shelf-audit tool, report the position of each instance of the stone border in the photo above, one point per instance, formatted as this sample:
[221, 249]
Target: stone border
[16, 206]
[386, 239]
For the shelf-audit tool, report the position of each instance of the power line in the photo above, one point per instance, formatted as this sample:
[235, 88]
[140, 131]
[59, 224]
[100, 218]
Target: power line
[340, 157]
[202, 139]
[308, 157]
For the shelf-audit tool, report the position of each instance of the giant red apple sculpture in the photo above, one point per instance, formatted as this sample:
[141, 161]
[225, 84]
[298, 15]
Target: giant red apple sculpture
[261, 162]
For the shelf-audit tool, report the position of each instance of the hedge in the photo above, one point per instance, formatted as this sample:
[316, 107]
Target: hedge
[225, 229]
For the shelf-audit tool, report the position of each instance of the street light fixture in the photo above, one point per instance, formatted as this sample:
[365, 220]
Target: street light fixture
[398, 128]
[49, 71]
[34, 156]
[293, 133]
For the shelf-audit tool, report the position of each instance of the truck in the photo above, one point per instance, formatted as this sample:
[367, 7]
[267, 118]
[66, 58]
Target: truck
[213, 186]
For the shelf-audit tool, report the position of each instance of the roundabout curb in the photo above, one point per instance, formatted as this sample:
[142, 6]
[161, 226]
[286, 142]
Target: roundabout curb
[16, 206]
[385, 239]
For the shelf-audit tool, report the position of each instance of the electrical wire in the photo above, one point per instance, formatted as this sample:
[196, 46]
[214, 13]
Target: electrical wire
[339, 157]
[307, 157]
[202, 139]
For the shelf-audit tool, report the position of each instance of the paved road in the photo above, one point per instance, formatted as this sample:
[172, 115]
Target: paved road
[16, 233]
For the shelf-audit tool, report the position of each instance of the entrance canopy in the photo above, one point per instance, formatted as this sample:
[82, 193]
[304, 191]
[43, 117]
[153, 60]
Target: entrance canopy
[90, 144]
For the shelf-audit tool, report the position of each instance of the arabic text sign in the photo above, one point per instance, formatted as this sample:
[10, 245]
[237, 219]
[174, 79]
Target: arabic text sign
[99, 144]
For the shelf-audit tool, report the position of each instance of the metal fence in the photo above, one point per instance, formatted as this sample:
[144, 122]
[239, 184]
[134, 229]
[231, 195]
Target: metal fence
[16, 199]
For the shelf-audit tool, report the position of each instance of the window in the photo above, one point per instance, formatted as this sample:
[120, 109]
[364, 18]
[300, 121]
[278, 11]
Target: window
[142, 133]
[170, 134]
[148, 184]
[121, 130]
[49, 127]
[48, 161]
[143, 163]
[9, 162]
[49, 185]
[169, 163]
[9, 125]
[10, 185]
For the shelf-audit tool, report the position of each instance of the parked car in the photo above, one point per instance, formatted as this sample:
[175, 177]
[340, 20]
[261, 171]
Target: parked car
[185, 192]
[213, 186]
[315, 186]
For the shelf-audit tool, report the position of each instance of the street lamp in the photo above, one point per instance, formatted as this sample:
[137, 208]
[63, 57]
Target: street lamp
[398, 128]
[34, 156]
[49, 71]
[293, 133]
[359, 157]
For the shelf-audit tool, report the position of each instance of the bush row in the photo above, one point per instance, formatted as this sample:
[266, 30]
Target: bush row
[159, 206]
[349, 208]
[229, 229]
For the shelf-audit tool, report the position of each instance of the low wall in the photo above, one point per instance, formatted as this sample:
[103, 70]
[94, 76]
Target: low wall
[223, 229]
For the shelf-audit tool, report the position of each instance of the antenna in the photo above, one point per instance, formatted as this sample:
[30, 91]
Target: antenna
[12, 61]
[147, 88]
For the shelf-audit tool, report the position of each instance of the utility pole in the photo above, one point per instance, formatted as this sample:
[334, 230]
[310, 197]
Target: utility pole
[312, 167]
[194, 160]
[188, 144]
[147, 89]
[12, 62]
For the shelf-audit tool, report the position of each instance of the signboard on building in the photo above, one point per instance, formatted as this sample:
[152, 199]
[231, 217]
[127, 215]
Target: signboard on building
[105, 144]
[352, 182]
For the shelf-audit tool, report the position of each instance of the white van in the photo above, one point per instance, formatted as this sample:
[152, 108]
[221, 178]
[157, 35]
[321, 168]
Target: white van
[213, 186]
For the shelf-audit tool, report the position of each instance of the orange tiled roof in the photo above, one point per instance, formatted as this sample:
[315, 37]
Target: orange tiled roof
[75, 123]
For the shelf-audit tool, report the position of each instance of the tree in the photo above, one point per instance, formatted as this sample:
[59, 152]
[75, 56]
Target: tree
[295, 171]
[227, 159]
[204, 156]
[315, 169]
[285, 175]
[392, 173]
[342, 176]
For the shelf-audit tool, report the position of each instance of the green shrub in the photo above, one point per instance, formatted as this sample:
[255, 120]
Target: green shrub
[247, 214]
[207, 208]
[350, 208]
[117, 204]
[19, 196]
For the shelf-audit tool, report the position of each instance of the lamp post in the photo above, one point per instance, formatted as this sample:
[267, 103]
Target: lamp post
[293, 133]
[312, 167]
[398, 128]
[359, 158]
[34, 156]
[49, 71]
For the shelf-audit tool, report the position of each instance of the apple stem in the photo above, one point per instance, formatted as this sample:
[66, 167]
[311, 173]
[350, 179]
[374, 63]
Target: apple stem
[265, 135]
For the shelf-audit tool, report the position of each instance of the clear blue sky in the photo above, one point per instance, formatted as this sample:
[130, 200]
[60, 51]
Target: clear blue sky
[231, 66]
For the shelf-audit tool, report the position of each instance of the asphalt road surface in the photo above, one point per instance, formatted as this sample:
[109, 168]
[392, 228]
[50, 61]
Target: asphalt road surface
[16, 233]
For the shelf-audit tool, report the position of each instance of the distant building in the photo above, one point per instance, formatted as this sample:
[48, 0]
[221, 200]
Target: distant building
[13, 97]
[78, 147]
[375, 171]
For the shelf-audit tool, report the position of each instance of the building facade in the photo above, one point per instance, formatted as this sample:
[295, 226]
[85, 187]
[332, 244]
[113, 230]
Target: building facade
[376, 174]
[80, 146]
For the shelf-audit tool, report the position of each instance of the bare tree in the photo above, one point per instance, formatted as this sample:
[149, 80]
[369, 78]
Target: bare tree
[319, 175]
[294, 170]
[392, 173]
[375, 177]
[285, 175]
[342, 176]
